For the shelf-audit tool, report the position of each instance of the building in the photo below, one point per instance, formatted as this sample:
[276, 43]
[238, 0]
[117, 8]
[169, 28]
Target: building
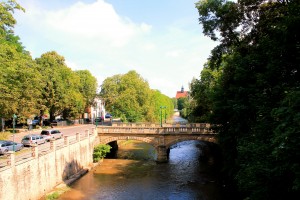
[181, 93]
[98, 110]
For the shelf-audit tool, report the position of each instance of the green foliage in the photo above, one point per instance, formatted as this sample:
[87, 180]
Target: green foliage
[53, 196]
[250, 87]
[60, 87]
[34, 88]
[129, 97]
[100, 152]
[201, 94]
[183, 105]
[87, 87]
[19, 79]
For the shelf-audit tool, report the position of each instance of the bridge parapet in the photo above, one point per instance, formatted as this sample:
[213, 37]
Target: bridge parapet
[146, 124]
[141, 124]
[155, 130]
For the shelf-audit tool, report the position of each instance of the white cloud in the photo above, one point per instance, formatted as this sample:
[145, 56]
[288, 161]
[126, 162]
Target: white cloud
[94, 37]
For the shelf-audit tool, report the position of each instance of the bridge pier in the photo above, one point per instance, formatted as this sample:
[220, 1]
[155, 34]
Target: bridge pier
[162, 154]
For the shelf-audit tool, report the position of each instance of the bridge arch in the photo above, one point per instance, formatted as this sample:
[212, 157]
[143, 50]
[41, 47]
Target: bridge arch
[182, 139]
[149, 140]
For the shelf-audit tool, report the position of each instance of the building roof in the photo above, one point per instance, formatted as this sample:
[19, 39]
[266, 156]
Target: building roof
[180, 94]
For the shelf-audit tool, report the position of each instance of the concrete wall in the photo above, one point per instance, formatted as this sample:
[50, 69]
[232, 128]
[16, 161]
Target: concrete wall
[37, 176]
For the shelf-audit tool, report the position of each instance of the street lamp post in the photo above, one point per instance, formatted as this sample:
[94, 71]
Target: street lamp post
[14, 124]
[112, 114]
[96, 114]
[161, 107]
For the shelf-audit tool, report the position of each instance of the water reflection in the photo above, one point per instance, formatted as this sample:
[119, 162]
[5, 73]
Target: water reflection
[183, 177]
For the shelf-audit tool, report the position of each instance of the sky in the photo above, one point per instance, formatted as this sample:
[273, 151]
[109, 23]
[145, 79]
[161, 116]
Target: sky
[161, 40]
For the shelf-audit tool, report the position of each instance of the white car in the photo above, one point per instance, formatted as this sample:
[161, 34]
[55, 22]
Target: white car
[7, 145]
[29, 140]
[51, 134]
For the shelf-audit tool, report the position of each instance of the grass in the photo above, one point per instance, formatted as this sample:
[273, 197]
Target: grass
[4, 135]
[52, 196]
[57, 193]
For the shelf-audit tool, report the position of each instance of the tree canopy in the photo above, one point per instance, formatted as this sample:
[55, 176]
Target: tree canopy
[129, 97]
[32, 87]
[250, 87]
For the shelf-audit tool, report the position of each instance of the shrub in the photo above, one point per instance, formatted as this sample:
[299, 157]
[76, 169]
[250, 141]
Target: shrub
[100, 152]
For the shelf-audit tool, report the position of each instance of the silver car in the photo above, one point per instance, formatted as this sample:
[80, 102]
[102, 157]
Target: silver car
[29, 140]
[51, 134]
[7, 145]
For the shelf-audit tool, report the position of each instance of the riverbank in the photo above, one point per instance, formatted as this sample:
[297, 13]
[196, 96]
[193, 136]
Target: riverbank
[65, 186]
[127, 164]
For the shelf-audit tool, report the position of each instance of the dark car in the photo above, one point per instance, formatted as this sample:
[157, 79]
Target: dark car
[46, 122]
[98, 119]
[108, 115]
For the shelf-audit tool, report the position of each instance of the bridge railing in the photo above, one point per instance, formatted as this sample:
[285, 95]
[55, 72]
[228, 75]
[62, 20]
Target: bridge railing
[204, 129]
[156, 125]
[40, 150]
[138, 124]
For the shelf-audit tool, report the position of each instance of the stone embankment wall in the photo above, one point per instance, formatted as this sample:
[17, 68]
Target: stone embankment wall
[39, 174]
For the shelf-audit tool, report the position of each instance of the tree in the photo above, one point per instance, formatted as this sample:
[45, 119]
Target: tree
[18, 74]
[7, 23]
[87, 87]
[126, 95]
[258, 57]
[19, 79]
[129, 96]
[201, 94]
[157, 100]
[60, 87]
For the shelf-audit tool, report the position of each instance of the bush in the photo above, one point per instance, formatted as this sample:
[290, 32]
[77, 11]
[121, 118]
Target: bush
[100, 152]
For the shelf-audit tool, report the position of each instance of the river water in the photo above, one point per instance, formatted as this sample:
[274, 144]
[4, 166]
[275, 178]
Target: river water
[134, 175]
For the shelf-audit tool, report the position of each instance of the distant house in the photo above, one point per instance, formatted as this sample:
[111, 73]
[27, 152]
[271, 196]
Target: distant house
[97, 110]
[181, 93]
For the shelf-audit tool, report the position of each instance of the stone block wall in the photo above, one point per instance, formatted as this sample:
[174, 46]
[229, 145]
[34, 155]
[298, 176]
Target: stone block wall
[37, 176]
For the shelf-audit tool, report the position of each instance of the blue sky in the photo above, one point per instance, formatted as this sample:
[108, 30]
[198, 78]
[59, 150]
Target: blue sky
[161, 40]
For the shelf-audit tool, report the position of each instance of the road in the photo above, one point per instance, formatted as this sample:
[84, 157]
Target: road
[66, 130]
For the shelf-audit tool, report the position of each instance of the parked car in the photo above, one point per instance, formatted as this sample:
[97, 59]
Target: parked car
[51, 134]
[29, 140]
[46, 122]
[56, 122]
[7, 145]
[35, 122]
[98, 119]
[108, 115]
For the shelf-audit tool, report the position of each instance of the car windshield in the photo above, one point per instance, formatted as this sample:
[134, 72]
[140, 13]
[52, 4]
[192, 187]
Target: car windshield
[26, 138]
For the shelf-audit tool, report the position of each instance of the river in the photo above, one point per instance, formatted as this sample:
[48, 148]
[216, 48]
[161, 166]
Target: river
[134, 175]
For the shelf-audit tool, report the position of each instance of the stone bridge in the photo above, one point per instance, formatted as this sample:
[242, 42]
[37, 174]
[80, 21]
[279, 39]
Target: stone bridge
[161, 138]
